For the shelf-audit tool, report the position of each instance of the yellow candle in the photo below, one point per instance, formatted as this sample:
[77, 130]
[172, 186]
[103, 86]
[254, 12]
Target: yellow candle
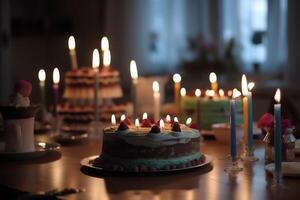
[245, 108]
[177, 80]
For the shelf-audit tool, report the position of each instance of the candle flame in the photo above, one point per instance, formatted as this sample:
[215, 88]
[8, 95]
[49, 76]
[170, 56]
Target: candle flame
[277, 96]
[221, 92]
[175, 119]
[104, 43]
[211, 93]
[96, 59]
[212, 77]
[113, 119]
[197, 92]
[133, 70]
[137, 123]
[182, 92]
[229, 93]
[56, 76]
[42, 75]
[145, 115]
[188, 121]
[106, 58]
[251, 85]
[161, 123]
[71, 43]
[168, 118]
[123, 117]
[176, 78]
[155, 86]
[207, 92]
[236, 93]
[244, 85]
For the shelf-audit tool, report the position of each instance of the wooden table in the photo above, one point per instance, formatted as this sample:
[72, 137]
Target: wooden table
[210, 182]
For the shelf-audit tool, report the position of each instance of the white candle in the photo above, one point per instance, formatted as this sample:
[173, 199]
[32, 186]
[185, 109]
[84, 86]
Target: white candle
[134, 76]
[106, 59]
[175, 119]
[188, 121]
[123, 117]
[182, 95]
[96, 63]
[42, 78]
[72, 46]
[161, 124]
[198, 94]
[104, 44]
[113, 120]
[168, 118]
[145, 116]
[56, 79]
[177, 80]
[137, 123]
[156, 96]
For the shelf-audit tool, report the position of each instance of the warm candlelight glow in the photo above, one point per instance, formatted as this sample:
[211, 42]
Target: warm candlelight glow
[182, 92]
[168, 118]
[56, 76]
[236, 93]
[251, 85]
[211, 93]
[197, 92]
[176, 78]
[42, 75]
[155, 86]
[113, 119]
[161, 124]
[71, 43]
[221, 92]
[188, 121]
[104, 43]
[175, 119]
[277, 96]
[96, 59]
[207, 92]
[244, 85]
[229, 93]
[123, 117]
[137, 123]
[133, 70]
[106, 58]
[212, 77]
[145, 115]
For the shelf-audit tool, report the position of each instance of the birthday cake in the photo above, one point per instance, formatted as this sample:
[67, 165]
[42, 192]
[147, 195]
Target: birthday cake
[149, 147]
[212, 110]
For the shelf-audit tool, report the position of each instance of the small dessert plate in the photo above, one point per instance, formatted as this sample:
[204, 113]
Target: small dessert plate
[41, 148]
[289, 169]
[70, 137]
[87, 162]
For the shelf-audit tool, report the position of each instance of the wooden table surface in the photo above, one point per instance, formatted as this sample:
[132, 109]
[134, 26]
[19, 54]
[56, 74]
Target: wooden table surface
[211, 182]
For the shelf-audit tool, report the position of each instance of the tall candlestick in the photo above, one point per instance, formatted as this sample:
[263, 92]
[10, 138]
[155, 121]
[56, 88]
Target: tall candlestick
[56, 79]
[72, 46]
[156, 96]
[42, 78]
[134, 76]
[277, 138]
[198, 94]
[245, 110]
[96, 63]
[177, 80]
[213, 81]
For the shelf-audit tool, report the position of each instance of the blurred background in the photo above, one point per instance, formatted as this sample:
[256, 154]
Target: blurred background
[193, 37]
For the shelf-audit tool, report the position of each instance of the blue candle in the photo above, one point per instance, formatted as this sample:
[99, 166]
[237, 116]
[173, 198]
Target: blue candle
[250, 122]
[277, 138]
[233, 149]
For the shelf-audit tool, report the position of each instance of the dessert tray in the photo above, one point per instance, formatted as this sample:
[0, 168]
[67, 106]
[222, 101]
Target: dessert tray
[41, 148]
[289, 169]
[87, 162]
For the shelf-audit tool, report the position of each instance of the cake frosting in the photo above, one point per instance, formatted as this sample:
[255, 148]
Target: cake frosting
[152, 148]
[20, 98]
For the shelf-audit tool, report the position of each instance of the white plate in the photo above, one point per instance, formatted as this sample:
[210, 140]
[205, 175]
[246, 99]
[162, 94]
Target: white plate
[41, 148]
[86, 162]
[289, 169]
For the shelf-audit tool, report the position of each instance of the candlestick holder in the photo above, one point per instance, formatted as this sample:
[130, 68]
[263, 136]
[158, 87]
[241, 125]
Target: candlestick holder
[234, 168]
[248, 155]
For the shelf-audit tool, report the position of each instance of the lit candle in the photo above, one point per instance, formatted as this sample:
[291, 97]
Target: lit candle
[161, 124]
[188, 121]
[177, 80]
[104, 44]
[168, 118]
[137, 123]
[211, 94]
[72, 46]
[42, 78]
[182, 95]
[123, 117]
[277, 137]
[106, 59]
[213, 81]
[245, 110]
[145, 116]
[198, 94]
[175, 119]
[250, 117]
[156, 96]
[96, 63]
[113, 120]
[229, 93]
[221, 93]
[56, 79]
[134, 76]
[233, 147]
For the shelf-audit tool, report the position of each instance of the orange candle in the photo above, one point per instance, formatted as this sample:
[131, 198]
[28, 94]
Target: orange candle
[245, 108]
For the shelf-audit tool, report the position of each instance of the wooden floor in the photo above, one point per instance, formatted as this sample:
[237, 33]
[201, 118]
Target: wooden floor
[211, 182]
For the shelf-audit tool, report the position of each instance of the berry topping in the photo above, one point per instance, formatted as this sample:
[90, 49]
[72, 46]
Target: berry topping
[176, 127]
[146, 123]
[123, 126]
[23, 87]
[127, 121]
[155, 129]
